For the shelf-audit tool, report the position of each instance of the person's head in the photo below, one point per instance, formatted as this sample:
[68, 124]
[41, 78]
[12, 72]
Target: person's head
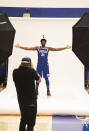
[26, 62]
[43, 42]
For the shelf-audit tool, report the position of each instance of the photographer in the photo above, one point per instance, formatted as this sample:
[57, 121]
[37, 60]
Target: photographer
[24, 78]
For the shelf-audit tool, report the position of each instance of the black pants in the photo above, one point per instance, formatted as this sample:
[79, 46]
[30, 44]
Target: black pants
[28, 117]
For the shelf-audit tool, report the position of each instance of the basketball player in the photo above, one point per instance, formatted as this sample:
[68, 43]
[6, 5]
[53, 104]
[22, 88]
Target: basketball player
[43, 66]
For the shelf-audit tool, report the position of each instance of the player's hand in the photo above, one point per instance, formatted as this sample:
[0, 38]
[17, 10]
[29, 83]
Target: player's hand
[68, 47]
[17, 46]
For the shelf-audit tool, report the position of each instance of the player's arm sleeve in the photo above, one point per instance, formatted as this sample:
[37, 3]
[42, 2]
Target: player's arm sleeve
[37, 77]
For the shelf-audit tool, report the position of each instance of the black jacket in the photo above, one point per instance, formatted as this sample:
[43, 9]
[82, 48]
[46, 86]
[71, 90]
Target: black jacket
[24, 79]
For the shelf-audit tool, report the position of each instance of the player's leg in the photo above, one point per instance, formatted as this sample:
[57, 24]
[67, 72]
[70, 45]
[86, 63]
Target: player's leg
[48, 87]
[46, 76]
[39, 70]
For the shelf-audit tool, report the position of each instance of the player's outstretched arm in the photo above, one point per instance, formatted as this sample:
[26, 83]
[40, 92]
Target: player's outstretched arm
[27, 48]
[58, 49]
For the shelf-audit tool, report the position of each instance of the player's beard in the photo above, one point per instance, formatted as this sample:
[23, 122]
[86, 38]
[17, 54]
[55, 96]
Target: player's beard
[43, 45]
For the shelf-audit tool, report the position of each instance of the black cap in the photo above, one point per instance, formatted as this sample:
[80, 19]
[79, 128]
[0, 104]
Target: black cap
[26, 60]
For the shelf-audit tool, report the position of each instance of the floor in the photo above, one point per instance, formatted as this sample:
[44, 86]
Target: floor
[11, 123]
[47, 123]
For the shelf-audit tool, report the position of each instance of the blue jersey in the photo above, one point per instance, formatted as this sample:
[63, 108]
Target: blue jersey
[43, 55]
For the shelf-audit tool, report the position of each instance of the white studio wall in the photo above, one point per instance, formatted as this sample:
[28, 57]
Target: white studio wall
[66, 71]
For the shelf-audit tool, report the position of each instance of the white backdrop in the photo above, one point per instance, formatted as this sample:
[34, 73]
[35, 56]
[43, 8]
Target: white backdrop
[66, 71]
